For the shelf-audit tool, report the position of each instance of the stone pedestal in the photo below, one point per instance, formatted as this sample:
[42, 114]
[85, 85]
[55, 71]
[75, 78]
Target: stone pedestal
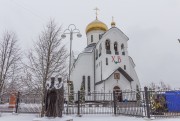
[53, 119]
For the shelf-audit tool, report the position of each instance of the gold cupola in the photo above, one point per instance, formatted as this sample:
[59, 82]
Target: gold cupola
[96, 25]
[113, 24]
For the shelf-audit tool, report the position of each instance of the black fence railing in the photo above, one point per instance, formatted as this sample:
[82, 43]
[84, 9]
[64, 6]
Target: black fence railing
[164, 103]
[29, 103]
[5, 105]
[89, 103]
[146, 103]
[130, 103]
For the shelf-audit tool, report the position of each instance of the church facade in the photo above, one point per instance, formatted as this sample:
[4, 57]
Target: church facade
[104, 65]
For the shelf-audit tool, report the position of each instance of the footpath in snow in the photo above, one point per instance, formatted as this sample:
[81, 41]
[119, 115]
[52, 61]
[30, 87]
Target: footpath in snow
[31, 117]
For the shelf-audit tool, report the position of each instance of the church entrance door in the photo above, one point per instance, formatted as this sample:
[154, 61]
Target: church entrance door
[118, 93]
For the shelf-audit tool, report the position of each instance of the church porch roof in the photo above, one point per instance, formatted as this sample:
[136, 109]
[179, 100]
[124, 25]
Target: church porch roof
[124, 73]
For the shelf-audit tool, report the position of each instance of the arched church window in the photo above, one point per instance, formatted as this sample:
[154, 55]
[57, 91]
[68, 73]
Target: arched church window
[100, 50]
[106, 61]
[83, 84]
[122, 49]
[96, 54]
[100, 36]
[124, 67]
[59, 80]
[122, 46]
[89, 85]
[116, 48]
[91, 38]
[83, 78]
[107, 45]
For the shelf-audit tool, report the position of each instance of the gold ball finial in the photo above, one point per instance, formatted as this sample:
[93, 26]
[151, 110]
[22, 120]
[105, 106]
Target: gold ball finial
[113, 24]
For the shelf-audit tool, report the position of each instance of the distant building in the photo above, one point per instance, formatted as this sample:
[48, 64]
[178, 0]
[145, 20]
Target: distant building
[104, 65]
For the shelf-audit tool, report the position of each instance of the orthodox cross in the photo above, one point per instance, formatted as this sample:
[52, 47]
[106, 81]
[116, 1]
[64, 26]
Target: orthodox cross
[96, 9]
[112, 19]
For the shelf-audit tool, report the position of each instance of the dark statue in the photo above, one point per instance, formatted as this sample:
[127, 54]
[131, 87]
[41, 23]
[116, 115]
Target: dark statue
[54, 99]
[60, 98]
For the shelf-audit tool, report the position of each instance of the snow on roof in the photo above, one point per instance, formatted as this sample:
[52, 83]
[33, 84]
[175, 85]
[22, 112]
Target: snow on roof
[90, 47]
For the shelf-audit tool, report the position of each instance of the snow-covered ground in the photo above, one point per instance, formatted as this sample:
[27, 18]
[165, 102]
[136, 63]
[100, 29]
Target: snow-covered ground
[31, 117]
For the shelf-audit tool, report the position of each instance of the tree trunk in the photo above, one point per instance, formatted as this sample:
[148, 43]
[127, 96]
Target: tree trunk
[43, 104]
[43, 100]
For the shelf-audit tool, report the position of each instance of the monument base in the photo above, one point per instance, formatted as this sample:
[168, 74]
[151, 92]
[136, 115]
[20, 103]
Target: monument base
[53, 119]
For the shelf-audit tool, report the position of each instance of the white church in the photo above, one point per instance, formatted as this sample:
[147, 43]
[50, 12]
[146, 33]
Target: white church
[104, 65]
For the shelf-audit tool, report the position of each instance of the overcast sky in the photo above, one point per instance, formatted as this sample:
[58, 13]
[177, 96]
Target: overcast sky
[153, 27]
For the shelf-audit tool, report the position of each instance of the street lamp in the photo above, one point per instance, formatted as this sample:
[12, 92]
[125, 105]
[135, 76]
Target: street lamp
[70, 30]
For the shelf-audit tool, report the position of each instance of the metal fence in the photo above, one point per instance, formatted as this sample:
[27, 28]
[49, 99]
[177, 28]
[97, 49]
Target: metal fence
[146, 103]
[130, 104]
[4, 103]
[90, 103]
[23, 103]
[164, 103]
[29, 103]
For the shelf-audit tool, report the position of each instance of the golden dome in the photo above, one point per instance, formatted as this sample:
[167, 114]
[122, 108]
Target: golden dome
[96, 25]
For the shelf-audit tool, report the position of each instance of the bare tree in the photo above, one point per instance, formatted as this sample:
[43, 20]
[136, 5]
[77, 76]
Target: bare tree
[14, 84]
[30, 86]
[152, 86]
[160, 86]
[10, 57]
[164, 86]
[48, 58]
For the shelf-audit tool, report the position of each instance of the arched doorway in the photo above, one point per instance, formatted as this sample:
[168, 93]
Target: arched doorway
[118, 93]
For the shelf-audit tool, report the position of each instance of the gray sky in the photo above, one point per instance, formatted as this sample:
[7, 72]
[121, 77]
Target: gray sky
[153, 27]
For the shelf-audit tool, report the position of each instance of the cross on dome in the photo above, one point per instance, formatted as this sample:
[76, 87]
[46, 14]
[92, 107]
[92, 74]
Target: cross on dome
[113, 24]
[112, 18]
[96, 9]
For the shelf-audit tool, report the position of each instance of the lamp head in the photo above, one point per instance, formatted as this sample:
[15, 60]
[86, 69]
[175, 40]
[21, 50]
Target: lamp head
[63, 36]
[79, 35]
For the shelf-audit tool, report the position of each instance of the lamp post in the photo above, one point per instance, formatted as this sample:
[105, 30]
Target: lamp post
[70, 30]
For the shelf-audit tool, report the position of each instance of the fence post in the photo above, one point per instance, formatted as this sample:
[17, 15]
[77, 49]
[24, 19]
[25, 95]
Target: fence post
[17, 102]
[78, 112]
[147, 102]
[114, 99]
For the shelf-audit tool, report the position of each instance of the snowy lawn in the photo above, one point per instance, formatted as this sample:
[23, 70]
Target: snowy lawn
[30, 117]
